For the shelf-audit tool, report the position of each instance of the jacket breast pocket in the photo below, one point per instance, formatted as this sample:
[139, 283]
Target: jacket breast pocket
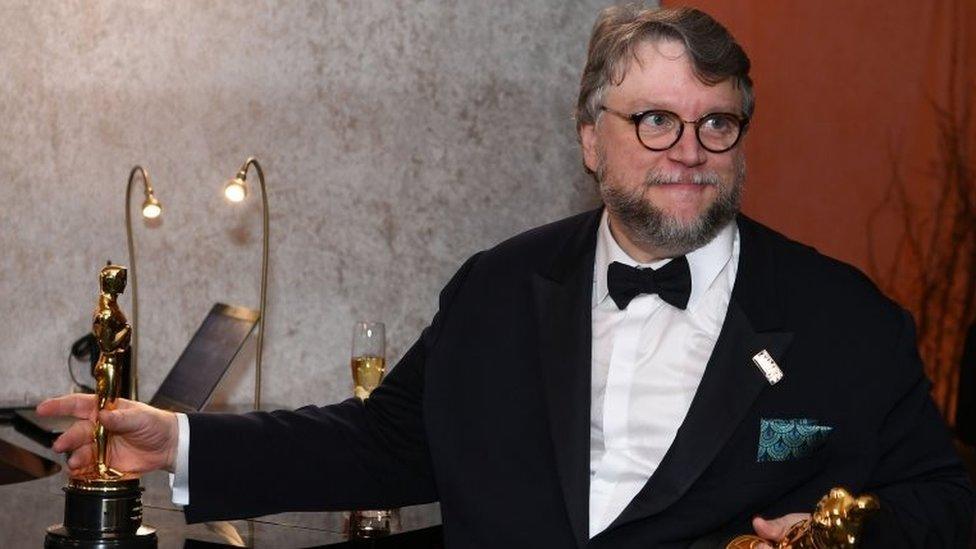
[790, 449]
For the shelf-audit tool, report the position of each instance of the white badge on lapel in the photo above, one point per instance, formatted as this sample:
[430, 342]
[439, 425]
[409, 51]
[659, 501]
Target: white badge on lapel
[769, 368]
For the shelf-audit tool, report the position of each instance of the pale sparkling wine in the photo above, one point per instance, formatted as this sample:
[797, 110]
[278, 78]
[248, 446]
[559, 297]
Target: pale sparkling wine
[367, 372]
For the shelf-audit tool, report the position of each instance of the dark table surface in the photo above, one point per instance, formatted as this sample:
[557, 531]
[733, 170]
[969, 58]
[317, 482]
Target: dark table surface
[27, 508]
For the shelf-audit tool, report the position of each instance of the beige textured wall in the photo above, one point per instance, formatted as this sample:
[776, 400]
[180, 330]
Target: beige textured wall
[397, 137]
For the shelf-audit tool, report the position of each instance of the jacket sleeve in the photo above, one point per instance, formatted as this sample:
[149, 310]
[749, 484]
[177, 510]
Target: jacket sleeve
[350, 455]
[925, 494]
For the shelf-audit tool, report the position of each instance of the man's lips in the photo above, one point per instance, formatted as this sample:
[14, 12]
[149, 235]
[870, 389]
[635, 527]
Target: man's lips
[681, 191]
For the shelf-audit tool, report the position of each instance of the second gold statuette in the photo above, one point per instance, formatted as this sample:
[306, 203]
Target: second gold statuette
[835, 524]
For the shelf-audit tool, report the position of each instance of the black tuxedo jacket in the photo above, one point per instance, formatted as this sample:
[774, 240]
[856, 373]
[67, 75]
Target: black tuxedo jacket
[489, 413]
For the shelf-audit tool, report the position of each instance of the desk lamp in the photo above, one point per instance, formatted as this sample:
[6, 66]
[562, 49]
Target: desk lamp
[235, 190]
[151, 209]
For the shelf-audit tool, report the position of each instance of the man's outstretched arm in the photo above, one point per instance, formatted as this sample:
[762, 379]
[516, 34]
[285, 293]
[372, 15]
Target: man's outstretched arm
[349, 455]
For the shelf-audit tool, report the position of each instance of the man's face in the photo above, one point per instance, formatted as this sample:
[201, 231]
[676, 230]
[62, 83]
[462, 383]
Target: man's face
[673, 201]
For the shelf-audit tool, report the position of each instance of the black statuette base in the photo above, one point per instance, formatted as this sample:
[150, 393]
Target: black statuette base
[96, 518]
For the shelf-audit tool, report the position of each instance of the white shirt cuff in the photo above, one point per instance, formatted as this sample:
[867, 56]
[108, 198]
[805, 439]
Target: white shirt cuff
[179, 479]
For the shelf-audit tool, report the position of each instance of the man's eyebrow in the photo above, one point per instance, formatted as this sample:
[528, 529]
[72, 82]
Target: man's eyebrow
[643, 106]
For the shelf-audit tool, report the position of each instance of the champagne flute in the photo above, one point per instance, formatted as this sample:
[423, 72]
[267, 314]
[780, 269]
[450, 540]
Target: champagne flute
[368, 362]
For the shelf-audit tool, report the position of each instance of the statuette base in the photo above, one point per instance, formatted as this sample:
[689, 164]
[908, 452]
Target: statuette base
[100, 514]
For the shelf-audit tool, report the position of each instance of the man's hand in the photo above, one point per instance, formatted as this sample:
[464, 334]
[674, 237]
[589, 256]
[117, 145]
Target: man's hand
[142, 438]
[775, 529]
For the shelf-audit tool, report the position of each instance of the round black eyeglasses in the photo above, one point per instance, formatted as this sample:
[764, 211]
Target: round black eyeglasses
[658, 130]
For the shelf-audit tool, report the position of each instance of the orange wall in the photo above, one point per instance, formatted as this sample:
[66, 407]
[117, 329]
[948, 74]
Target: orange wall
[840, 87]
[844, 95]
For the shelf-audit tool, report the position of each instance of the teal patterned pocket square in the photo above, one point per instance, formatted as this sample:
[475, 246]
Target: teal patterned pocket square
[785, 439]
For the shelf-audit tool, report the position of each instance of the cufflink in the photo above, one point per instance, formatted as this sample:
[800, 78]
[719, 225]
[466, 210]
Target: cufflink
[764, 361]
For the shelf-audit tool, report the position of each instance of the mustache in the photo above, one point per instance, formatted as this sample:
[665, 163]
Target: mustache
[657, 177]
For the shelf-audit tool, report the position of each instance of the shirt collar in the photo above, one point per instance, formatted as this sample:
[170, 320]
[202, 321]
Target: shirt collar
[705, 263]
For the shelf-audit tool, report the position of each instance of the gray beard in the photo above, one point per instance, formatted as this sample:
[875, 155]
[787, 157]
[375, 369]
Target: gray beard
[649, 225]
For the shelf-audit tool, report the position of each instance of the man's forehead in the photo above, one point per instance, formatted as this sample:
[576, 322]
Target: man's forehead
[645, 53]
[663, 70]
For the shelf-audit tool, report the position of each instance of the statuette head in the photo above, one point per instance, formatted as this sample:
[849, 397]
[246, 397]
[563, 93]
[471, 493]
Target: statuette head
[112, 279]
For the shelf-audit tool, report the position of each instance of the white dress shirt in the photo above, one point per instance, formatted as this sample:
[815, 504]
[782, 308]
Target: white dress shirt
[179, 480]
[648, 360]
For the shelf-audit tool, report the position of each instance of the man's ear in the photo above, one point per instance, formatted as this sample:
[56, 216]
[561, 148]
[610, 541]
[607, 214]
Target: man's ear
[588, 140]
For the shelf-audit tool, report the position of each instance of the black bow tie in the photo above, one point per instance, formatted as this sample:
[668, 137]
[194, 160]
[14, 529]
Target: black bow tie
[672, 282]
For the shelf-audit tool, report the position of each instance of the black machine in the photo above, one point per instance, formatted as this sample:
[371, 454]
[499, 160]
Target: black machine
[206, 359]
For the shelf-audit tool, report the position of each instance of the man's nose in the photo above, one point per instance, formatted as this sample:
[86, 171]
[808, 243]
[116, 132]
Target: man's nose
[687, 151]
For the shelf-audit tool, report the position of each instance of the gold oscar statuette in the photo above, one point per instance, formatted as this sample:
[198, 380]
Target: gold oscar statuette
[113, 333]
[103, 506]
[835, 524]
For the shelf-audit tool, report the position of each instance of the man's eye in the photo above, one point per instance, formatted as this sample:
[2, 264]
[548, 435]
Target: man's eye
[657, 120]
[719, 123]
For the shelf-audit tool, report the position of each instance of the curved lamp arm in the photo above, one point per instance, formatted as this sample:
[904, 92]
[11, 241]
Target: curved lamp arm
[150, 209]
[262, 310]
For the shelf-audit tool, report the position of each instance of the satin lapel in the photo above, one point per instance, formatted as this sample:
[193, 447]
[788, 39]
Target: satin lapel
[730, 385]
[562, 297]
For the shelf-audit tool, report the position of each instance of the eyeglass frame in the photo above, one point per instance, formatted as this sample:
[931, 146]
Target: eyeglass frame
[636, 118]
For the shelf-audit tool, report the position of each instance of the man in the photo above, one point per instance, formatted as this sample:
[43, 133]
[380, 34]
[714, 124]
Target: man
[563, 398]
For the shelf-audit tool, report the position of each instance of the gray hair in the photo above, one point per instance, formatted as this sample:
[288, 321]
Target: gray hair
[619, 30]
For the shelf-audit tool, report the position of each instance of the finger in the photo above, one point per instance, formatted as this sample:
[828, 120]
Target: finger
[79, 434]
[81, 458]
[125, 404]
[771, 529]
[74, 405]
[123, 420]
[775, 528]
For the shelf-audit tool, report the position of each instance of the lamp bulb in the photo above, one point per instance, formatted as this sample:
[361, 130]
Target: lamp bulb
[235, 190]
[151, 211]
[151, 208]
